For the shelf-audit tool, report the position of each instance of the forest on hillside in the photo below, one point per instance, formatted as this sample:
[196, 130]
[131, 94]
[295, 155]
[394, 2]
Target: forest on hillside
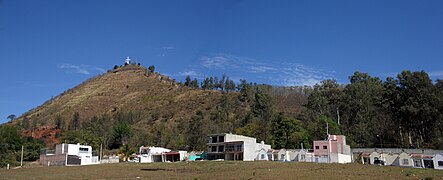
[402, 111]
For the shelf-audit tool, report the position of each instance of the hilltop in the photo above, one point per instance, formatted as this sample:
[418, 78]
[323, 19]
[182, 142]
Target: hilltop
[124, 89]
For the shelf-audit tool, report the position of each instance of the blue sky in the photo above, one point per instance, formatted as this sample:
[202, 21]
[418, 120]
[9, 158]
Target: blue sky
[47, 47]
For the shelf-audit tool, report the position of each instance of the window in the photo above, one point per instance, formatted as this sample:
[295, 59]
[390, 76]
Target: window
[405, 162]
[214, 139]
[325, 147]
[440, 163]
[221, 139]
[317, 147]
[239, 147]
[83, 149]
[213, 148]
[221, 148]
[262, 156]
[282, 156]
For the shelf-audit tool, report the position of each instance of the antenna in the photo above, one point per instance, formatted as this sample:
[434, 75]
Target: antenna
[327, 129]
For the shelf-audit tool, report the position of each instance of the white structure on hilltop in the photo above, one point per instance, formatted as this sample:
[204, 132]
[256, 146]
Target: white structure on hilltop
[127, 60]
[229, 146]
[69, 154]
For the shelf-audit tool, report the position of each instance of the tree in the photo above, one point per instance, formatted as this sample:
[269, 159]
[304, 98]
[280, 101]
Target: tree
[59, 123]
[287, 131]
[31, 149]
[247, 92]
[221, 84]
[121, 133]
[211, 83]
[216, 83]
[194, 83]
[83, 137]
[361, 114]
[127, 151]
[205, 84]
[196, 133]
[418, 106]
[11, 117]
[10, 143]
[151, 69]
[325, 97]
[75, 122]
[229, 85]
[188, 81]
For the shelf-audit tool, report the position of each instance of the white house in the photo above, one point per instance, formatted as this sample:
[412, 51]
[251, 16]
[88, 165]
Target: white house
[369, 157]
[70, 154]
[262, 155]
[438, 161]
[229, 146]
[403, 159]
[152, 154]
[305, 155]
[286, 155]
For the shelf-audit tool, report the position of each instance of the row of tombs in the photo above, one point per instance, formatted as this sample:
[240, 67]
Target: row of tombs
[228, 146]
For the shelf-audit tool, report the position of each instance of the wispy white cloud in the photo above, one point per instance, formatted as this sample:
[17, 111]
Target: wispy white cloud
[168, 47]
[190, 73]
[80, 69]
[277, 73]
[101, 70]
[436, 74]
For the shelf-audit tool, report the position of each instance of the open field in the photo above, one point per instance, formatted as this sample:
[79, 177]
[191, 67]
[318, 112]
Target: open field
[221, 170]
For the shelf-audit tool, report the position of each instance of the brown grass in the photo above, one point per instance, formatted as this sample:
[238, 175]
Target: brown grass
[222, 170]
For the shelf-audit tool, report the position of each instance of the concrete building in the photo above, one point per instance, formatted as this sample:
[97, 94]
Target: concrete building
[369, 157]
[69, 154]
[286, 155]
[438, 161]
[152, 154]
[305, 155]
[403, 159]
[229, 146]
[332, 150]
[159, 154]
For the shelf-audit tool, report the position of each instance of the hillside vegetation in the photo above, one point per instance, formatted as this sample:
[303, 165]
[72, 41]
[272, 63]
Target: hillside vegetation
[137, 106]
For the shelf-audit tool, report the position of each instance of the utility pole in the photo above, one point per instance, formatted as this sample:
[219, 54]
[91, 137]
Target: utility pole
[329, 142]
[101, 152]
[21, 159]
[338, 117]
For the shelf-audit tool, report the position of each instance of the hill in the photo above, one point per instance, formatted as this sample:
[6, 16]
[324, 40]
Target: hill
[129, 88]
[131, 104]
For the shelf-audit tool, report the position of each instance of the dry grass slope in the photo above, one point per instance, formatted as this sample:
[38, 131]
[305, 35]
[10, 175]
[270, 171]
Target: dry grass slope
[127, 89]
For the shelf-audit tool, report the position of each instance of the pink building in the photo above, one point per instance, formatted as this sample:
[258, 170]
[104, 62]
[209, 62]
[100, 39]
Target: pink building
[332, 150]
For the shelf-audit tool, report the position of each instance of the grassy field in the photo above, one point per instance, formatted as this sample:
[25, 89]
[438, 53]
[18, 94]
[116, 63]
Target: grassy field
[222, 170]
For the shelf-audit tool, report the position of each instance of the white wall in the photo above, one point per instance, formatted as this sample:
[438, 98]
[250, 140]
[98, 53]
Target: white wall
[437, 158]
[343, 158]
